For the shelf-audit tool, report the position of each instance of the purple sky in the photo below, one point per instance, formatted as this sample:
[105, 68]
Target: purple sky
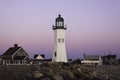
[93, 26]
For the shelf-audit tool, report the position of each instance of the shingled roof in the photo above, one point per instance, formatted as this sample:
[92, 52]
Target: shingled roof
[91, 57]
[11, 50]
[19, 57]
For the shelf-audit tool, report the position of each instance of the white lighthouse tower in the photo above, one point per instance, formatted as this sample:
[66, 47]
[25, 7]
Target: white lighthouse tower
[59, 53]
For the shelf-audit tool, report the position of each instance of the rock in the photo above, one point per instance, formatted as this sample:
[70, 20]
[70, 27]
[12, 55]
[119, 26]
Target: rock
[71, 75]
[47, 78]
[50, 70]
[93, 74]
[37, 74]
[79, 70]
[57, 77]
[28, 75]
[95, 78]
[107, 77]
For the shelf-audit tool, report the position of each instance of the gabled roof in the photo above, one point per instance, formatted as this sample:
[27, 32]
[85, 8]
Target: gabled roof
[36, 55]
[91, 57]
[41, 56]
[11, 51]
[42, 60]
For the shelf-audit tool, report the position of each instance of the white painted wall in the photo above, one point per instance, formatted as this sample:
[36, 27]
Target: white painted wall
[59, 47]
[99, 61]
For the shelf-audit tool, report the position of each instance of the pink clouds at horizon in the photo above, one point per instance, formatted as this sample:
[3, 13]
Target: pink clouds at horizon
[93, 26]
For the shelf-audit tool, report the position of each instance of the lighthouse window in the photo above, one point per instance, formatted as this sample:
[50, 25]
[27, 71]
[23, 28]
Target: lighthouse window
[59, 40]
[57, 23]
[60, 23]
[62, 40]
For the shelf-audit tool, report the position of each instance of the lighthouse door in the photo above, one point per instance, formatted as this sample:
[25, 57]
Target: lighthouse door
[55, 54]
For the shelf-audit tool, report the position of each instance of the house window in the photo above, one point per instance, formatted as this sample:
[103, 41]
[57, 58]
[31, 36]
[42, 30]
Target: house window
[55, 54]
[59, 40]
[60, 23]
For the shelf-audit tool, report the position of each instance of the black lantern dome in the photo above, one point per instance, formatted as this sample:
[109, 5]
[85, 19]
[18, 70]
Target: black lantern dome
[59, 23]
[59, 18]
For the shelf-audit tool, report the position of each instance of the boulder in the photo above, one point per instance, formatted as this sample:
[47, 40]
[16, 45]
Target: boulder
[37, 74]
[57, 77]
[71, 75]
[79, 70]
[46, 78]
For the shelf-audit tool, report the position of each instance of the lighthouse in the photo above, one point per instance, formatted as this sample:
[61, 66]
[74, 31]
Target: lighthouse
[59, 52]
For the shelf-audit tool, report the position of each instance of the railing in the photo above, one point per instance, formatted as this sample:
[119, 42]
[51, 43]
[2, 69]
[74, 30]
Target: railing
[14, 62]
[54, 27]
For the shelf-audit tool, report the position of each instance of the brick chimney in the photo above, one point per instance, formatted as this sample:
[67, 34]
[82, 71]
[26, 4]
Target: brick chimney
[15, 45]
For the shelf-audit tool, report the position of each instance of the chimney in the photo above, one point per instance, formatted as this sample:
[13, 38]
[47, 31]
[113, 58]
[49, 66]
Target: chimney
[15, 45]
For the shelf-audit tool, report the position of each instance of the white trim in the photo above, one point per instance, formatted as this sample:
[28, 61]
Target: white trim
[15, 52]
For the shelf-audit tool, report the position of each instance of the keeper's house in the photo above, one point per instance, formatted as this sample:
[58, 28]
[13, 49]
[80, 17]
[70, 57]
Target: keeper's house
[15, 55]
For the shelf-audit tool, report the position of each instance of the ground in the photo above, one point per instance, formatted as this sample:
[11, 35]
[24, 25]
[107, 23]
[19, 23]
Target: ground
[60, 71]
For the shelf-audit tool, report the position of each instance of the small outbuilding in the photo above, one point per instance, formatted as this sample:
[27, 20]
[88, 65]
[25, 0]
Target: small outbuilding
[110, 59]
[39, 57]
[92, 60]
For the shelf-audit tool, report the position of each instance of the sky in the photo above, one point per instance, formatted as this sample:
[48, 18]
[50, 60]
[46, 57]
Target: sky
[93, 26]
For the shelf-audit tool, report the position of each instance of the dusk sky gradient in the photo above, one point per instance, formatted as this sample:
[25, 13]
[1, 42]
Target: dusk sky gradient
[93, 26]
